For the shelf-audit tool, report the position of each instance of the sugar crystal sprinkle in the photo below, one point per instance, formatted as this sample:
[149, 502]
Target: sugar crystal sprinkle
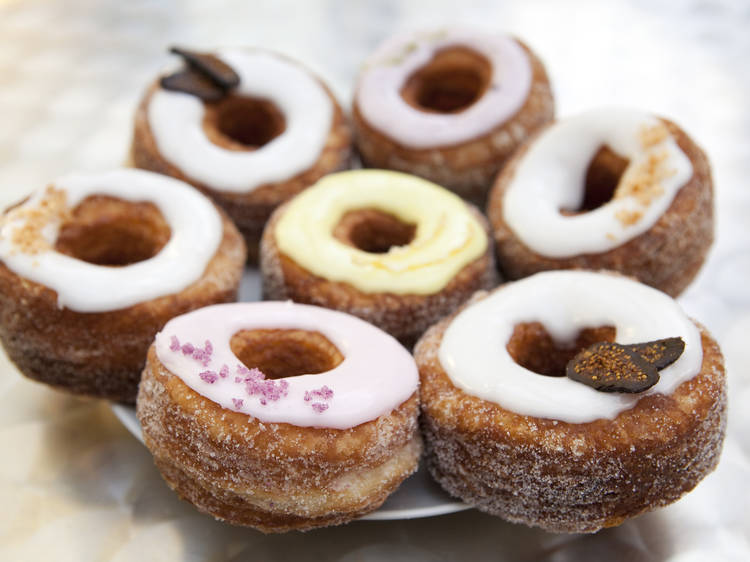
[209, 376]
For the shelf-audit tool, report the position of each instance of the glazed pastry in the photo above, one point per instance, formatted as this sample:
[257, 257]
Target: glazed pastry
[393, 249]
[249, 146]
[507, 432]
[449, 105]
[609, 189]
[280, 416]
[93, 266]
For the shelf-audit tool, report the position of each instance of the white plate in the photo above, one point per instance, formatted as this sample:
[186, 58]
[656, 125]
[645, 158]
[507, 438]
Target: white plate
[419, 496]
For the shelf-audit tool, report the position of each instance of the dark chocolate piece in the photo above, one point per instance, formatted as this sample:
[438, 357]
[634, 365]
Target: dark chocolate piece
[660, 353]
[192, 82]
[210, 65]
[611, 367]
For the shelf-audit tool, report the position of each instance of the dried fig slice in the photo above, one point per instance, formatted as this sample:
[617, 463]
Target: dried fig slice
[611, 367]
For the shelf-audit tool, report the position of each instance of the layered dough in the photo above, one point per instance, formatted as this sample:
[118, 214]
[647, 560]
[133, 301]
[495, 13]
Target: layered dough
[449, 105]
[569, 476]
[272, 476]
[290, 416]
[276, 134]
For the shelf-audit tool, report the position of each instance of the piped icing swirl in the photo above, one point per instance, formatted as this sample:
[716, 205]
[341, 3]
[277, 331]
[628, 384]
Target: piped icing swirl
[176, 122]
[550, 178]
[447, 236]
[29, 232]
[473, 350]
[376, 375]
[378, 92]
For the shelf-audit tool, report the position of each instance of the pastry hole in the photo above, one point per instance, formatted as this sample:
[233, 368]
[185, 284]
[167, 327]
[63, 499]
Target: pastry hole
[602, 178]
[373, 231]
[108, 231]
[452, 81]
[244, 121]
[532, 347]
[285, 353]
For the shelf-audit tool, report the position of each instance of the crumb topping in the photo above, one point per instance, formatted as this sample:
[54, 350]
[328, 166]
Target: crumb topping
[27, 237]
[643, 183]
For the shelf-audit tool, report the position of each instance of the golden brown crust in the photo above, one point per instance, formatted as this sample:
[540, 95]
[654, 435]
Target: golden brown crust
[272, 476]
[468, 168]
[405, 317]
[567, 477]
[668, 256]
[250, 210]
[102, 354]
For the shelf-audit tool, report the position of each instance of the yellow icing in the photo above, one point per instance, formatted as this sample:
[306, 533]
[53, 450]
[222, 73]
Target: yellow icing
[447, 238]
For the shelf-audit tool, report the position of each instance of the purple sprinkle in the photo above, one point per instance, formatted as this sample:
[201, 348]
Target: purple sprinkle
[237, 403]
[174, 344]
[241, 369]
[263, 401]
[326, 393]
[237, 379]
[209, 376]
[188, 349]
[224, 372]
[319, 407]
[323, 393]
[209, 348]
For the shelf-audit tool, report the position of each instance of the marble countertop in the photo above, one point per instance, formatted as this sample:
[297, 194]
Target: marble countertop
[75, 485]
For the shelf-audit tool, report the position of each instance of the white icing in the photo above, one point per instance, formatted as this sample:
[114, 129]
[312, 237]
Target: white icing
[376, 375]
[196, 232]
[176, 121]
[474, 355]
[551, 177]
[378, 94]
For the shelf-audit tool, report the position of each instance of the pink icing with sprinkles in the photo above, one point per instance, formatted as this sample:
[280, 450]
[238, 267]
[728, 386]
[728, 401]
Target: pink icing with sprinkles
[200, 354]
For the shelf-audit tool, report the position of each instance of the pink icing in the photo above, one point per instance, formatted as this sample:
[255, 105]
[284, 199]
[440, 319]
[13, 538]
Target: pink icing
[387, 70]
[376, 376]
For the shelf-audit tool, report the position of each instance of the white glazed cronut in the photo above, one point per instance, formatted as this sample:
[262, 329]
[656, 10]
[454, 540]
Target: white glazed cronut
[450, 105]
[612, 188]
[568, 472]
[393, 249]
[271, 136]
[94, 265]
[281, 419]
